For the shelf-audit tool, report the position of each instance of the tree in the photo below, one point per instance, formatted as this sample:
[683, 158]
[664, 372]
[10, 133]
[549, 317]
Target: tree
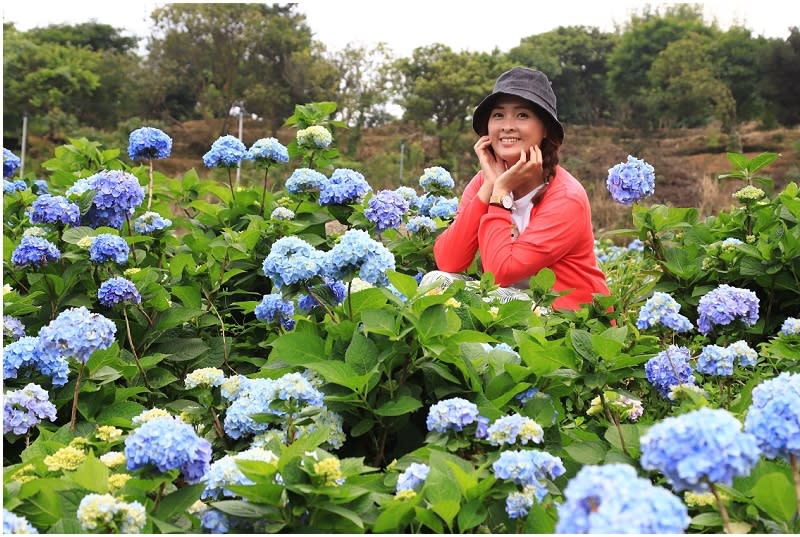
[574, 58]
[781, 71]
[93, 35]
[736, 55]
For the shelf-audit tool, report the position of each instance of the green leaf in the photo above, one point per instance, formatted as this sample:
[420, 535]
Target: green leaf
[588, 452]
[361, 354]
[404, 283]
[394, 517]
[380, 322]
[242, 508]
[178, 502]
[433, 322]
[403, 404]
[707, 520]
[181, 349]
[120, 414]
[298, 349]
[92, 475]
[774, 494]
[342, 512]
[471, 515]
[175, 316]
[342, 374]
[188, 295]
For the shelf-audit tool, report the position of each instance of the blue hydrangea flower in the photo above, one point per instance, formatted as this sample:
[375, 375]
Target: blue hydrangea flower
[282, 213]
[413, 476]
[444, 208]
[514, 428]
[148, 143]
[10, 163]
[9, 187]
[16, 524]
[150, 222]
[25, 354]
[386, 210]
[529, 468]
[636, 245]
[661, 308]
[215, 521]
[613, 499]
[436, 179]
[274, 308]
[76, 333]
[34, 251]
[47, 209]
[117, 291]
[344, 186]
[451, 415]
[428, 201]
[108, 247]
[355, 252]
[725, 304]
[305, 180]
[168, 443]
[23, 409]
[774, 416]
[337, 289]
[743, 352]
[715, 360]
[267, 151]
[526, 396]
[314, 136]
[227, 152]
[698, 448]
[117, 194]
[417, 224]
[631, 181]
[408, 194]
[40, 186]
[790, 327]
[225, 472]
[292, 260]
[13, 328]
[669, 368]
[518, 504]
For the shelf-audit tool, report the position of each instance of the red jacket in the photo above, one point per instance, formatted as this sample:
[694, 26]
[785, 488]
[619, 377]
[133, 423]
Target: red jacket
[559, 236]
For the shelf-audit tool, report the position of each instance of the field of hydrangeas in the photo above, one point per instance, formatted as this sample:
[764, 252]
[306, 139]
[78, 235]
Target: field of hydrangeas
[256, 354]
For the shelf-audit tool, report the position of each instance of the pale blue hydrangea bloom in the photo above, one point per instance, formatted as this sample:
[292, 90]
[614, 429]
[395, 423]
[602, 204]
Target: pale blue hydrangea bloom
[282, 213]
[451, 415]
[314, 136]
[116, 196]
[774, 416]
[76, 333]
[790, 327]
[292, 260]
[527, 395]
[386, 210]
[614, 499]
[108, 247]
[215, 521]
[225, 472]
[206, 377]
[13, 328]
[148, 143]
[514, 428]
[23, 409]
[226, 152]
[40, 186]
[16, 524]
[416, 224]
[118, 290]
[168, 443]
[715, 360]
[267, 151]
[24, 353]
[35, 251]
[743, 352]
[47, 209]
[357, 252]
[408, 194]
[518, 504]
[661, 308]
[529, 468]
[150, 222]
[104, 512]
[344, 186]
[413, 476]
[10, 163]
[725, 304]
[436, 179]
[669, 368]
[636, 245]
[444, 208]
[304, 180]
[274, 308]
[700, 447]
[631, 181]
[9, 187]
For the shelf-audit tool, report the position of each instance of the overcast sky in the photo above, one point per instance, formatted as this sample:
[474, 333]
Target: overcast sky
[404, 26]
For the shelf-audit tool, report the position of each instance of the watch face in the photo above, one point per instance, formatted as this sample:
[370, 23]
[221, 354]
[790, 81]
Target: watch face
[508, 201]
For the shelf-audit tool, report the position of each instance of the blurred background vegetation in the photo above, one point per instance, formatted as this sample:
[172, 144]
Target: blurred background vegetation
[666, 86]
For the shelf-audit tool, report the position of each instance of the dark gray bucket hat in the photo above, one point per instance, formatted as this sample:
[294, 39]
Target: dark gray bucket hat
[531, 85]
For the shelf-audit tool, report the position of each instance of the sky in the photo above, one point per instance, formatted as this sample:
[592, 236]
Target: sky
[404, 26]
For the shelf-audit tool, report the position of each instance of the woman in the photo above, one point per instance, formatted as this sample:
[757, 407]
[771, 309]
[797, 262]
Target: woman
[523, 211]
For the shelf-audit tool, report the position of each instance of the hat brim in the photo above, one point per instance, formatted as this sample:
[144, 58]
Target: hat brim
[480, 118]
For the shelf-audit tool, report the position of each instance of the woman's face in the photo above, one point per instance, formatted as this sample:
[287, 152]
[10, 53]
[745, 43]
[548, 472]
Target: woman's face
[514, 127]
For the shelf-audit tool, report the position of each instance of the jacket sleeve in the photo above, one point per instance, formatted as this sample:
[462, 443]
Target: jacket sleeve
[455, 248]
[551, 234]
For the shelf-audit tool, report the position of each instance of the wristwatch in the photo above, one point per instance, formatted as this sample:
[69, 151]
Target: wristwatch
[506, 201]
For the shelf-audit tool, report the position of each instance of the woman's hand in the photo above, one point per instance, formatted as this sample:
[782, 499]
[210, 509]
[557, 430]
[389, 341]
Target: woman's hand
[525, 174]
[490, 165]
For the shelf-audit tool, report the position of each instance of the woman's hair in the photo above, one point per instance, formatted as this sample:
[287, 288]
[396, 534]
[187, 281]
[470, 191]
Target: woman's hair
[550, 150]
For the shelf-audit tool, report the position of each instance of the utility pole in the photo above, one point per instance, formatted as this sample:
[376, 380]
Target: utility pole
[238, 110]
[24, 143]
[402, 154]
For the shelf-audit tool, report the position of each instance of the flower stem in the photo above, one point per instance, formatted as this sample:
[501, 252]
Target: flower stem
[796, 476]
[222, 331]
[74, 417]
[612, 417]
[230, 184]
[150, 187]
[133, 348]
[726, 521]
[264, 190]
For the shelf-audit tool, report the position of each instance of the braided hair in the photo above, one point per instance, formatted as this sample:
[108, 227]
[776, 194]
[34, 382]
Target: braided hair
[550, 154]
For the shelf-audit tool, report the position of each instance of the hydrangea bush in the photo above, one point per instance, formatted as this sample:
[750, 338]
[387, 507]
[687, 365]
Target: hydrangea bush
[256, 358]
